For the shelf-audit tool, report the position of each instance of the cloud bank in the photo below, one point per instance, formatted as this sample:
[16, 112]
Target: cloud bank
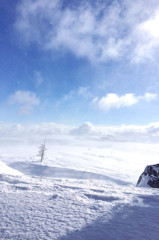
[86, 131]
[98, 31]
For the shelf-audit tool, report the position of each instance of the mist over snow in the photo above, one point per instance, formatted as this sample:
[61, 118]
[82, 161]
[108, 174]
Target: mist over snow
[127, 133]
[100, 149]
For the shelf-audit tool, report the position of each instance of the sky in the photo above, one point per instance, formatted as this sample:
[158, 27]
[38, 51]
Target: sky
[72, 62]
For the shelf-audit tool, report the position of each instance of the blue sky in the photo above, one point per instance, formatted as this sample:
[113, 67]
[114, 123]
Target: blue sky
[79, 61]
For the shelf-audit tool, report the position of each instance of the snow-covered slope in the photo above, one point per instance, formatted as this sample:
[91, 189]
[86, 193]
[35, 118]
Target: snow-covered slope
[84, 190]
[4, 169]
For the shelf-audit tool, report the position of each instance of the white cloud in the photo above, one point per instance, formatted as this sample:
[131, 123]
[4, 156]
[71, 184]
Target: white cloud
[149, 96]
[112, 100]
[125, 28]
[26, 99]
[150, 26]
[147, 33]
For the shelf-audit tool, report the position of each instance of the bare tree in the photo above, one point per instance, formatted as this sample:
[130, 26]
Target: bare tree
[42, 150]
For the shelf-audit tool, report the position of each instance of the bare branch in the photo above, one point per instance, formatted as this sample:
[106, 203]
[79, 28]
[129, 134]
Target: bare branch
[42, 150]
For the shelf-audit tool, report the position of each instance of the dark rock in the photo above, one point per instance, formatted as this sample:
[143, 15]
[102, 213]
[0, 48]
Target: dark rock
[150, 177]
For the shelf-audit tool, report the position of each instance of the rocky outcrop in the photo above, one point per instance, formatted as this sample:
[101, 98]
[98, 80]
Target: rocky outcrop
[150, 177]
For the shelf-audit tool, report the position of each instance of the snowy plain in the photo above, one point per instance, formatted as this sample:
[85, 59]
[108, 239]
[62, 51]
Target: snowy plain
[85, 189]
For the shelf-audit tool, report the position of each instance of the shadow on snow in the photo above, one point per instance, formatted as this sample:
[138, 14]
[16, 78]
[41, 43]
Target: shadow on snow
[127, 222]
[56, 172]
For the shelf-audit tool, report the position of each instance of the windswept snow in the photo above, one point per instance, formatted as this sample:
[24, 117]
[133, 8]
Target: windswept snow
[4, 169]
[83, 190]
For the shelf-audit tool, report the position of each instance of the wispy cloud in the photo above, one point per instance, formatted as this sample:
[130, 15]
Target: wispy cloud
[38, 78]
[112, 100]
[81, 92]
[26, 101]
[99, 32]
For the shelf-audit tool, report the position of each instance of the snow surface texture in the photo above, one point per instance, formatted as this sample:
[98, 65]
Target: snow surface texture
[83, 190]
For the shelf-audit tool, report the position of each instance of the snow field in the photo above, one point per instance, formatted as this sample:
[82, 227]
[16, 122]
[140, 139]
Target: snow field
[82, 191]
